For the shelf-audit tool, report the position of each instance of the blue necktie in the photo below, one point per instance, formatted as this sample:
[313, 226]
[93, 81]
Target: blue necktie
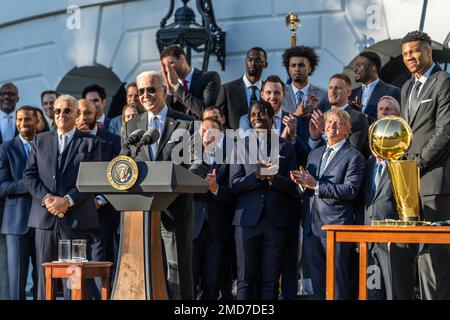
[28, 148]
[154, 147]
[323, 164]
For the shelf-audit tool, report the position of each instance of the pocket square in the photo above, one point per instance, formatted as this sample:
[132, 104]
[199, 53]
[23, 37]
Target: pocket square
[427, 100]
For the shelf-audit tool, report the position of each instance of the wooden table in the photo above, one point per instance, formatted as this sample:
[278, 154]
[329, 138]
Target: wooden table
[77, 272]
[368, 234]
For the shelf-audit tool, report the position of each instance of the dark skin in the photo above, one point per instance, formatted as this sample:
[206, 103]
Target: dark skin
[255, 63]
[417, 57]
[9, 98]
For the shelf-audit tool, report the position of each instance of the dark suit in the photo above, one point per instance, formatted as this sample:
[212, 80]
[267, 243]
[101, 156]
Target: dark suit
[202, 93]
[358, 137]
[335, 204]
[102, 239]
[381, 89]
[213, 213]
[430, 123]
[397, 264]
[47, 172]
[261, 218]
[19, 237]
[179, 217]
[232, 100]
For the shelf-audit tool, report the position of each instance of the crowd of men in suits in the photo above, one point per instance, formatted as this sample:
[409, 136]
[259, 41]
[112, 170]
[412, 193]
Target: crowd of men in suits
[260, 223]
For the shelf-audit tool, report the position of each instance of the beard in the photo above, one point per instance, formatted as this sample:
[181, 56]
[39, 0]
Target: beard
[7, 108]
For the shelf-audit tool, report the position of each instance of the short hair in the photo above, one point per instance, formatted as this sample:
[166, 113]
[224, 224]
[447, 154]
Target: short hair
[49, 92]
[342, 115]
[211, 108]
[94, 88]
[83, 102]
[65, 97]
[10, 84]
[273, 78]
[264, 105]
[374, 59]
[342, 77]
[393, 101]
[258, 49]
[214, 120]
[131, 105]
[416, 36]
[152, 73]
[28, 108]
[174, 50]
[302, 51]
[131, 84]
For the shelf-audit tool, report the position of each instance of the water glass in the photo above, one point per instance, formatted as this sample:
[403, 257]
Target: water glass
[64, 250]
[79, 250]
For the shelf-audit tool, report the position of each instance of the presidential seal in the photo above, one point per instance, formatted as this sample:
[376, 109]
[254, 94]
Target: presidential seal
[122, 172]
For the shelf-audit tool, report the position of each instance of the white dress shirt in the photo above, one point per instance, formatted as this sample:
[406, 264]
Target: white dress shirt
[248, 90]
[367, 91]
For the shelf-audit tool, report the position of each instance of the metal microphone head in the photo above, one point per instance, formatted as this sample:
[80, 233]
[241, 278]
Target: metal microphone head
[135, 137]
[149, 137]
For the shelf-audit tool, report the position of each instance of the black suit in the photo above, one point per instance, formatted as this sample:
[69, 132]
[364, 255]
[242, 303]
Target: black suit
[358, 137]
[232, 100]
[212, 224]
[397, 263]
[381, 89]
[261, 217]
[179, 217]
[429, 119]
[47, 172]
[202, 93]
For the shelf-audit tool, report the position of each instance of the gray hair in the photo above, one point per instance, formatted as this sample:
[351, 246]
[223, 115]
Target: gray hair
[394, 103]
[156, 74]
[65, 97]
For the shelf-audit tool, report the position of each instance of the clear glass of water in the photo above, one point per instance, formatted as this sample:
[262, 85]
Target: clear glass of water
[79, 250]
[64, 250]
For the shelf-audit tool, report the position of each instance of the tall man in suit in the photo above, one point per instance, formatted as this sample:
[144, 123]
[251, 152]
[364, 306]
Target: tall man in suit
[395, 271]
[237, 96]
[262, 208]
[190, 90]
[212, 212]
[59, 210]
[339, 89]
[426, 107]
[9, 96]
[103, 238]
[330, 184]
[367, 67]
[300, 63]
[19, 237]
[96, 95]
[179, 217]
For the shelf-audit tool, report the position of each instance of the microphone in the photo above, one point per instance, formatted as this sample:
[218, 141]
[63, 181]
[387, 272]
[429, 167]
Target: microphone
[149, 137]
[135, 137]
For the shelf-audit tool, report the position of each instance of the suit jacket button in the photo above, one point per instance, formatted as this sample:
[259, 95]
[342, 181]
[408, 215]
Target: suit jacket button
[54, 177]
[204, 209]
[262, 196]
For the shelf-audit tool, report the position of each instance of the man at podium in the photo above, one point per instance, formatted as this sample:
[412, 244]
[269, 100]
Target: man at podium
[178, 219]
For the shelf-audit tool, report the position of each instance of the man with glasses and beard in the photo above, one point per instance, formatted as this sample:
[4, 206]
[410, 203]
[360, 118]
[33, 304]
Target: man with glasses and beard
[59, 210]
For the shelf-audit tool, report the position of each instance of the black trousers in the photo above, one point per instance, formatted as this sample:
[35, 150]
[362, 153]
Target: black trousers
[46, 242]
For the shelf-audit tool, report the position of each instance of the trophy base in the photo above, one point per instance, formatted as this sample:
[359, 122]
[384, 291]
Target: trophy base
[400, 223]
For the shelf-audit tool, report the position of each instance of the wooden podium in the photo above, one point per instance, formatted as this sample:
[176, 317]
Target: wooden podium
[140, 268]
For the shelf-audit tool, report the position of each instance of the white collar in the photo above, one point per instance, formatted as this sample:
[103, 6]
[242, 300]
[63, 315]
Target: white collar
[94, 131]
[372, 84]
[279, 113]
[248, 84]
[425, 76]
[188, 77]
[22, 139]
[161, 115]
[102, 118]
[344, 106]
[337, 146]
[69, 133]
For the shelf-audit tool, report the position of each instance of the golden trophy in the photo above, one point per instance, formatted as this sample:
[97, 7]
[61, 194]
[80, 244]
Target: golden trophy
[390, 138]
[293, 21]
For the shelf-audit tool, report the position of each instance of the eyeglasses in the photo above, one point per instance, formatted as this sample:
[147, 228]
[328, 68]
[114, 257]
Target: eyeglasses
[57, 111]
[150, 90]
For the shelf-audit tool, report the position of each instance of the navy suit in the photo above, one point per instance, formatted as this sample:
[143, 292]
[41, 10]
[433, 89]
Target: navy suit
[47, 172]
[19, 237]
[381, 89]
[335, 204]
[213, 213]
[261, 217]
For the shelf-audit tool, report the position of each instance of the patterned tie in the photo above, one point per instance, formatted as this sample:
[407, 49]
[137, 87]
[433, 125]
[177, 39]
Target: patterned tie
[154, 147]
[62, 142]
[298, 97]
[323, 164]
[253, 97]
